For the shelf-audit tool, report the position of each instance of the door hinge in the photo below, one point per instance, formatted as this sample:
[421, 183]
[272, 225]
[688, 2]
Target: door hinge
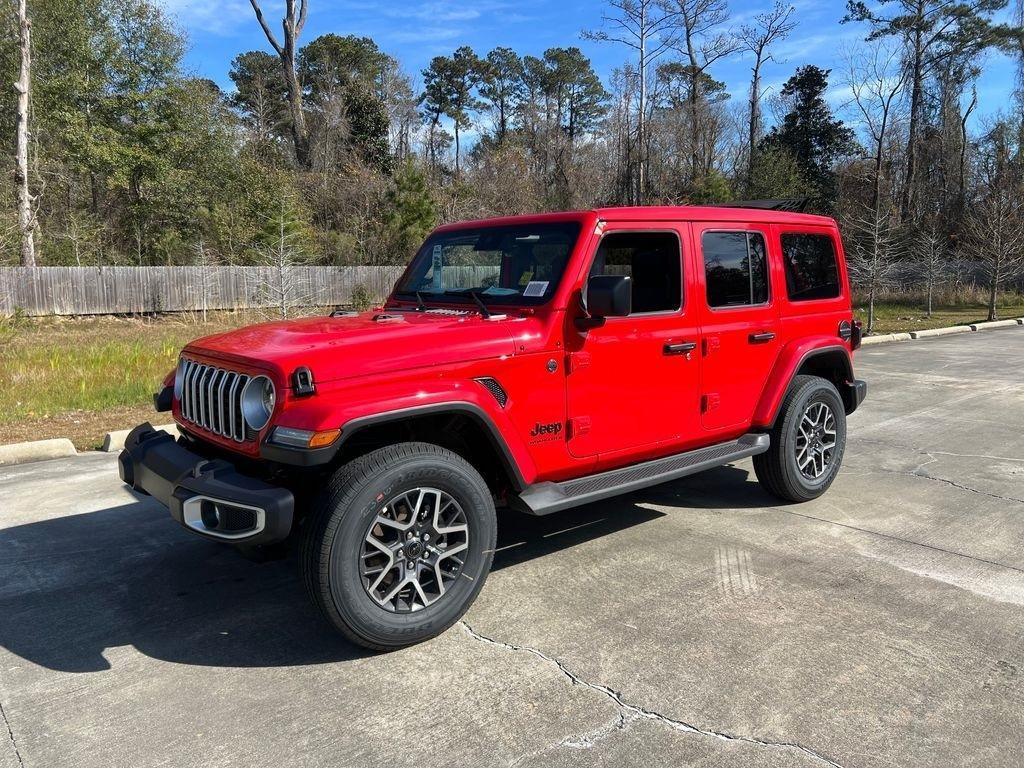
[709, 344]
[578, 426]
[577, 361]
[709, 402]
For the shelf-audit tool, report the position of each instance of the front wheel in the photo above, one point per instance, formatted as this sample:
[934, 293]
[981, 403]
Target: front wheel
[807, 442]
[399, 544]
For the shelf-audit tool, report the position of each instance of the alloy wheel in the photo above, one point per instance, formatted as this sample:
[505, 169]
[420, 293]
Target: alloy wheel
[414, 550]
[815, 440]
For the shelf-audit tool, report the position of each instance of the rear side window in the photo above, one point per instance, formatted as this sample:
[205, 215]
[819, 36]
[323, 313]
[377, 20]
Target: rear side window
[811, 270]
[735, 268]
[653, 262]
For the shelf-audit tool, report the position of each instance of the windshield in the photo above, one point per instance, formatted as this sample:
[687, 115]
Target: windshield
[517, 264]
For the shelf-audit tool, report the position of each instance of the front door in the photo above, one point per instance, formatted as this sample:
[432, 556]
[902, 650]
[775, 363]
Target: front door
[739, 320]
[634, 381]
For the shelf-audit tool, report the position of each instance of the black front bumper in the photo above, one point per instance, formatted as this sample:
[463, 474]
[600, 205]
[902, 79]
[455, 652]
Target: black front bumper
[209, 497]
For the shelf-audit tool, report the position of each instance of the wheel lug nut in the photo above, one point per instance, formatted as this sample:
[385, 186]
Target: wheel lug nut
[426, 537]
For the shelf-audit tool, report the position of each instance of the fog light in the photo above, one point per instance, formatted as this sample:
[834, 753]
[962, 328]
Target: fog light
[209, 514]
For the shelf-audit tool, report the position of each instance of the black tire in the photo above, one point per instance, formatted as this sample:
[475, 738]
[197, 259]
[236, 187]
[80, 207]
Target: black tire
[333, 539]
[777, 469]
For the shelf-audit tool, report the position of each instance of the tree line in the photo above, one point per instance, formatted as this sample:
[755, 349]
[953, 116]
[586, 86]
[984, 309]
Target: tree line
[327, 151]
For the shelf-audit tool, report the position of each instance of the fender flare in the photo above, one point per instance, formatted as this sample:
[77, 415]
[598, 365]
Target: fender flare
[786, 369]
[462, 407]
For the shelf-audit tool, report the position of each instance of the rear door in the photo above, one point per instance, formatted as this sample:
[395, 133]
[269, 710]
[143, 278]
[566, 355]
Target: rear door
[739, 320]
[816, 297]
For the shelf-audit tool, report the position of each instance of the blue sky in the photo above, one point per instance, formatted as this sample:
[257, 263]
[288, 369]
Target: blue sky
[415, 30]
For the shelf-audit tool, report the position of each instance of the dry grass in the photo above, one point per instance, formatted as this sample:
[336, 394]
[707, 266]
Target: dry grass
[81, 377]
[902, 316]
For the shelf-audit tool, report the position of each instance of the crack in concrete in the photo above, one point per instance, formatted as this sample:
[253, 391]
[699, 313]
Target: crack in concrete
[10, 735]
[636, 712]
[932, 458]
[586, 740]
[893, 537]
[924, 475]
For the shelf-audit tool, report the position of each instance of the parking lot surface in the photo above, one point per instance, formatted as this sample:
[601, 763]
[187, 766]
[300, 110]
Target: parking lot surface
[696, 623]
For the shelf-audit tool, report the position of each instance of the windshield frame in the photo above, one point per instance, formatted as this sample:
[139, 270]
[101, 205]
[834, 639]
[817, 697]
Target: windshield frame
[463, 296]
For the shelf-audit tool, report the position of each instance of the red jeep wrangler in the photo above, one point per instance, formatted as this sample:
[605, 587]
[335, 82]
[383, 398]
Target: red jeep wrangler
[534, 362]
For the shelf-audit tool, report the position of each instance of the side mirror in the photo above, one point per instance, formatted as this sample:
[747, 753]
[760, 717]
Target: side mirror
[609, 296]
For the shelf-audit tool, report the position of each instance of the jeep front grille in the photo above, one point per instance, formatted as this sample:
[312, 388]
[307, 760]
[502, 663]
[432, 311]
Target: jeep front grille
[211, 398]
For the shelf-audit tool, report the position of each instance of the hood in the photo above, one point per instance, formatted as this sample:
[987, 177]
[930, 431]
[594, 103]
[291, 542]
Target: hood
[362, 344]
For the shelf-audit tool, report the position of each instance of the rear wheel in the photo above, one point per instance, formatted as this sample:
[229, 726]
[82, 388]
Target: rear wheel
[399, 545]
[807, 442]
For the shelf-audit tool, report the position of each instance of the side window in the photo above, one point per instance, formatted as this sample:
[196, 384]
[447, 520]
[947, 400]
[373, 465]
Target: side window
[653, 261]
[735, 268]
[811, 271]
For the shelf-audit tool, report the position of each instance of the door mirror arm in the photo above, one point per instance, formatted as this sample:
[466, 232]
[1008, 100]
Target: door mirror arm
[607, 296]
[585, 321]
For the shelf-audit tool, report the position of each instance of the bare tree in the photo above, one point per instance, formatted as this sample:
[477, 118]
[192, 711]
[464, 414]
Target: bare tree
[768, 28]
[283, 293]
[208, 283]
[995, 226]
[23, 86]
[874, 255]
[703, 43]
[649, 27]
[876, 77]
[931, 257]
[1018, 19]
[292, 23]
[996, 229]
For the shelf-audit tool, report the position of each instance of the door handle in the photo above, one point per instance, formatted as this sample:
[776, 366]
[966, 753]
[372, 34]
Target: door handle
[682, 348]
[757, 338]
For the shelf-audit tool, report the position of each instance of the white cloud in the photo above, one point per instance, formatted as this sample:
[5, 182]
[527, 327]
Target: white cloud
[218, 18]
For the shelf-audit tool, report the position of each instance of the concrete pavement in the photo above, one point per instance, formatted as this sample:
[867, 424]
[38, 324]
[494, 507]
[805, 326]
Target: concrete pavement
[697, 623]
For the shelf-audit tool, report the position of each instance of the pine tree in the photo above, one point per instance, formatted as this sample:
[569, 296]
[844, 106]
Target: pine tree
[812, 133]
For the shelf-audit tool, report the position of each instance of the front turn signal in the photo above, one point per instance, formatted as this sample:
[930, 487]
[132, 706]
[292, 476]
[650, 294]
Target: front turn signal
[324, 438]
[304, 438]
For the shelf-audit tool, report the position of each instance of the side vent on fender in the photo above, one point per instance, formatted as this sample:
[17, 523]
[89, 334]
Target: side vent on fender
[492, 386]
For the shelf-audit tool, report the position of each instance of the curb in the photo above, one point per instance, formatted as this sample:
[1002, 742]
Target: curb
[928, 333]
[887, 338]
[995, 324]
[36, 450]
[114, 441]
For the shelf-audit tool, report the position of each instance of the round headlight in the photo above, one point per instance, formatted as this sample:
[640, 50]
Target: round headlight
[179, 379]
[258, 402]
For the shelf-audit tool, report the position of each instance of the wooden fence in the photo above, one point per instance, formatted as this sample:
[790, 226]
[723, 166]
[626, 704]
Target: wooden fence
[130, 290]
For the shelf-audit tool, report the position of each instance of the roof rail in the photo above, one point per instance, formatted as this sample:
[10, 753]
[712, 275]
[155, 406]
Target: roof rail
[795, 205]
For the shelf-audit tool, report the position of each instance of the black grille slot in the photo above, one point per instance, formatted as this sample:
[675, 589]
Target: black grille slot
[211, 398]
[492, 386]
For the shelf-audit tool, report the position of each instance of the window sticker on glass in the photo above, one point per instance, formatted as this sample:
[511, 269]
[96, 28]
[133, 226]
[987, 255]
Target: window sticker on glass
[536, 288]
[437, 262]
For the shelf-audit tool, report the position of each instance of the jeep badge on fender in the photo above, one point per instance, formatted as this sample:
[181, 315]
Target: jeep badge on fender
[539, 430]
[382, 442]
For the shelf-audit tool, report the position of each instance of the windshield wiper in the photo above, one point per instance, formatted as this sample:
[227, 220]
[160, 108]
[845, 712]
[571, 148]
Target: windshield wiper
[421, 306]
[480, 304]
[474, 296]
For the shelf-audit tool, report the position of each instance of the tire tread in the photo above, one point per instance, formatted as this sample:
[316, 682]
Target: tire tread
[330, 508]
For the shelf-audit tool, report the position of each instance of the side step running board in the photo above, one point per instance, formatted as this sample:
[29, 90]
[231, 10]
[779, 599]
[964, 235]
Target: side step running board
[544, 498]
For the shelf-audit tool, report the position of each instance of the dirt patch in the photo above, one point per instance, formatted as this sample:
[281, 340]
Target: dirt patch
[84, 428]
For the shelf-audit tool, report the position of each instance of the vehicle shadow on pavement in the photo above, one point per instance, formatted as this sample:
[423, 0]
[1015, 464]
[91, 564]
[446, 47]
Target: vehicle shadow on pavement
[73, 589]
